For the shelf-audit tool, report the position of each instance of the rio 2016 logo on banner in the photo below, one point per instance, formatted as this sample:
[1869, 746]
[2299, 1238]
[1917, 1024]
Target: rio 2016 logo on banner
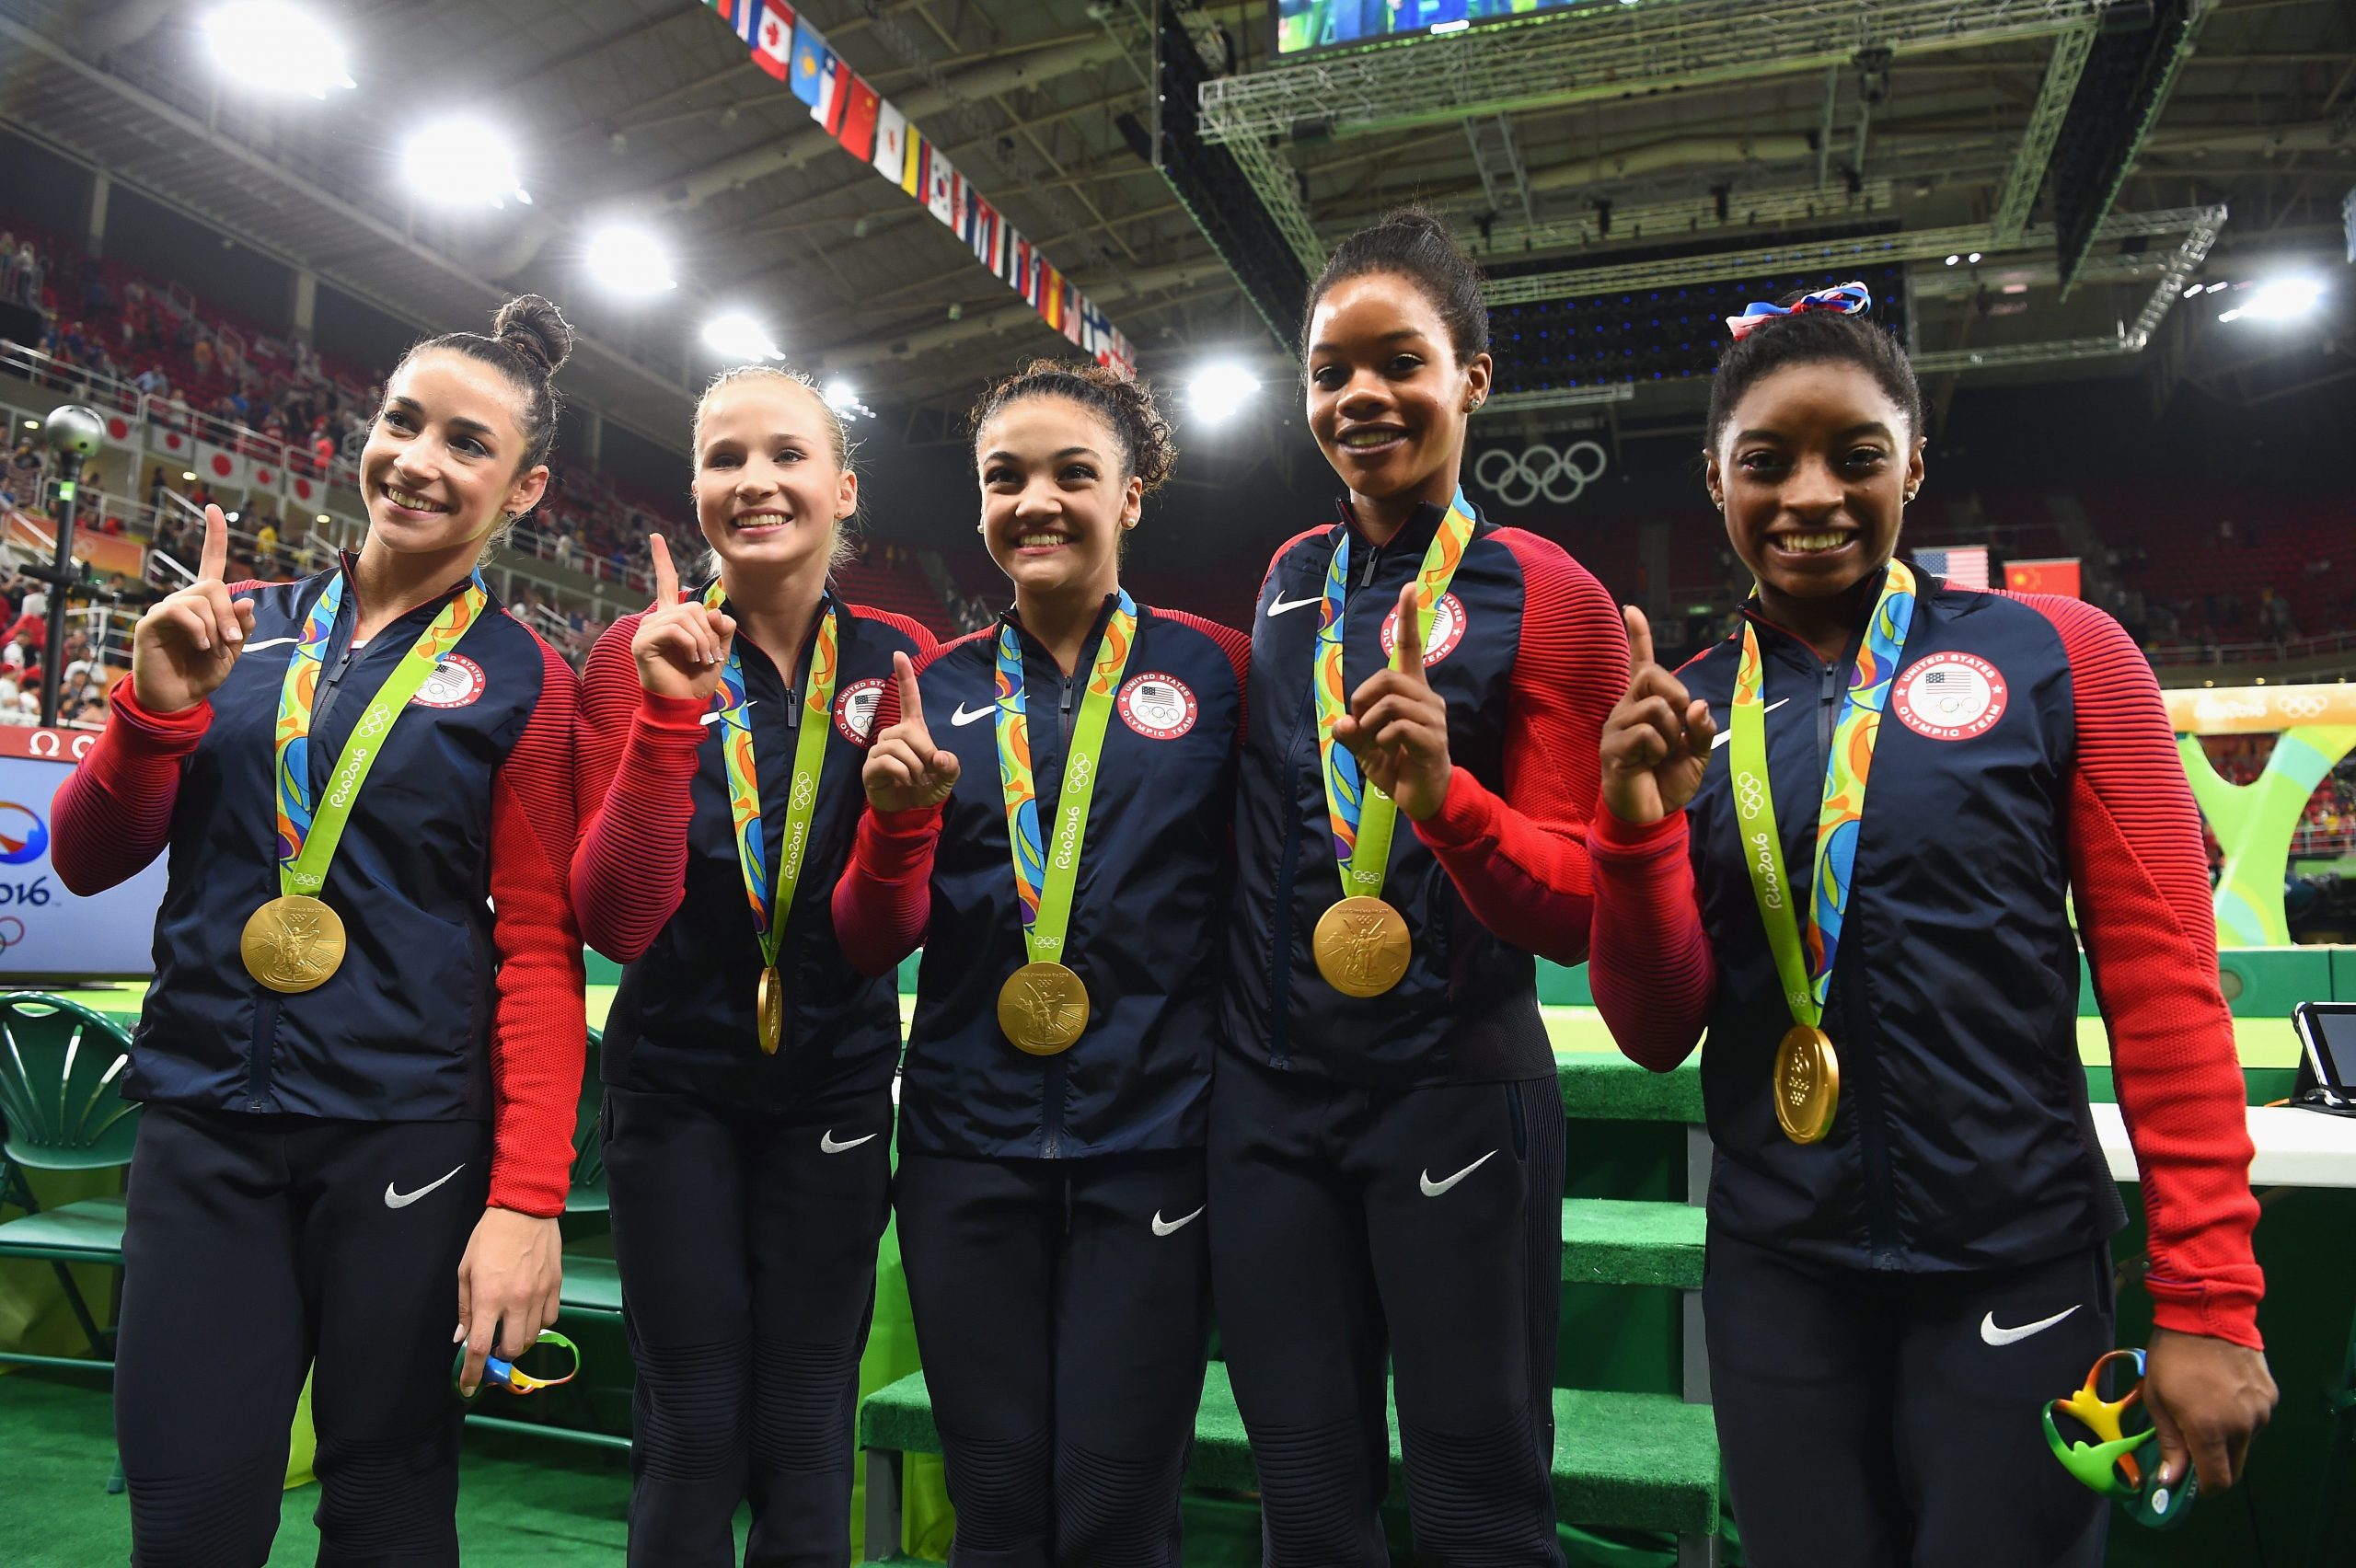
[1539, 472]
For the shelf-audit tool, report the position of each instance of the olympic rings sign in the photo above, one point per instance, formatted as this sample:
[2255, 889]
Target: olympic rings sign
[1516, 480]
[12, 931]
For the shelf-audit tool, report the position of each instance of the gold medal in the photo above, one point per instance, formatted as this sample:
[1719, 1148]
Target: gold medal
[1362, 947]
[292, 943]
[1042, 1007]
[769, 1009]
[1807, 1083]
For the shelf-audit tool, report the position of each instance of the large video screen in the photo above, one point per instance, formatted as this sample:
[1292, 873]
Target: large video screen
[1323, 24]
[46, 932]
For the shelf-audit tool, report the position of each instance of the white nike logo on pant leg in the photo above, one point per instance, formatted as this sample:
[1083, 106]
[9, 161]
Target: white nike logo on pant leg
[1434, 1189]
[826, 1144]
[1994, 1335]
[1162, 1227]
[402, 1199]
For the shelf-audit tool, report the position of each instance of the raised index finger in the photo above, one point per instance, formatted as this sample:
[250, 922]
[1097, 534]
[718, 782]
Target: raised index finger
[904, 671]
[1640, 636]
[214, 560]
[1407, 648]
[666, 577]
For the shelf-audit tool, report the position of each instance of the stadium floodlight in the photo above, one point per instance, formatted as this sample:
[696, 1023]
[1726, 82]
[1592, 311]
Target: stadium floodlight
[629, 260]
[1956, 258]
[462, 163]
[843, 397]
[276, 46]
[2280, 299]
[187, 476]
[1221, 390]
[1973, 258]
[739, 339]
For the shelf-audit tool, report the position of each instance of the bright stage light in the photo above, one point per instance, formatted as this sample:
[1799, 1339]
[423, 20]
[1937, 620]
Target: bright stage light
[629, 260]
[843, 397]
[269, 44]
[1220, 390]
[739, 339]
[2280, 299]
[462, 163]
[1973, 258]
[1953, 259]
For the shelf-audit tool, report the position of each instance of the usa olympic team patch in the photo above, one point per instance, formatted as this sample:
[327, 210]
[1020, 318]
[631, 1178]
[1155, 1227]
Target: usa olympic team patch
[1447, 631]
[855, 709]
[1949, 696]
[1157, 706]
[456, 682]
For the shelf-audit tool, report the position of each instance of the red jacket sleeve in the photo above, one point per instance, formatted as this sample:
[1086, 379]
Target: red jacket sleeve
[1520, 860]
[114, 813]
[883, 900]
[2142, 888]
[539, 1034]
[637, 756]
[1651, 971]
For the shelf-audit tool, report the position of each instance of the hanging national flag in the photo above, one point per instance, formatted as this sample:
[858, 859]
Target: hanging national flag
[1051, 296]
[963, 197]
[891, 141]
[833, 76]
[917, 173]
[941, 189]
[744, 16]
[1074, 302]
[2058, 574]
[861, 105]
[985, 235]
[810, 57]
[773, 47]
[1019, 273]
[1964, 567]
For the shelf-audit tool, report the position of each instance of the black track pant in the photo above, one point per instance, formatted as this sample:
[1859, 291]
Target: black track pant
[1063, 1308]
[1426, 1222]
[1873, 1419]
[257, 1246]
[746, 1244]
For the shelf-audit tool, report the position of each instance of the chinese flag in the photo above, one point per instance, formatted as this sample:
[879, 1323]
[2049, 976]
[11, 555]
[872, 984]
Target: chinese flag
[2054, 576]
[857, 132]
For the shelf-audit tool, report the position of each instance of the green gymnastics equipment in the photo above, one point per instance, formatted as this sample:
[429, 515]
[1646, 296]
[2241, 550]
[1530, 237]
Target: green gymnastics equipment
[2253, 821]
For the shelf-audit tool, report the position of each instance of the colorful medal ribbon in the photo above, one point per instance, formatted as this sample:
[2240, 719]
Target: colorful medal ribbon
[1363, 817]
[816, 717]
[306, 840]
[1045, 886]
[1807, 977]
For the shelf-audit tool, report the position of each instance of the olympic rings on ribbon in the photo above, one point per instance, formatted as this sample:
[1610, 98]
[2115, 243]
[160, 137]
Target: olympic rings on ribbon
[1516, 480]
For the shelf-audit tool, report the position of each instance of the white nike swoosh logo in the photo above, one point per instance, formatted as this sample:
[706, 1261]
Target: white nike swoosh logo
[1434, 1189]
[826, 1144]
[402, 1199]
[962, 717]
[1162, 1227]
[268, 642]
[1280, 606]
[1723, 736]
[1994, 1335]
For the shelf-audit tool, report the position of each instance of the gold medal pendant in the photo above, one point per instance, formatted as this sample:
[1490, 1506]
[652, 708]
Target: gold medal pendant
[1807, 1083]
[768, 1011]
[293, 944]
[1042, 1007]
[1362, 947]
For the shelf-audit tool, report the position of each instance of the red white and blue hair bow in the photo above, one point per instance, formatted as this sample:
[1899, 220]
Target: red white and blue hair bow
[1849, 299]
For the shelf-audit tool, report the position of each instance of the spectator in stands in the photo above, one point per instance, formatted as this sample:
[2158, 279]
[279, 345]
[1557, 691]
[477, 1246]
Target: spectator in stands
[1400, 1020]
[748, 1098]
[1855, 1244]
[258, 1245]
[1064, 1443]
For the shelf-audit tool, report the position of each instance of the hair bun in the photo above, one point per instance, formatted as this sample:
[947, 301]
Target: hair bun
[535, 328]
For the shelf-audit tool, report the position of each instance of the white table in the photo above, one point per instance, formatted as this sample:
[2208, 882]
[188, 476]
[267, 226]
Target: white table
[2295, 1147]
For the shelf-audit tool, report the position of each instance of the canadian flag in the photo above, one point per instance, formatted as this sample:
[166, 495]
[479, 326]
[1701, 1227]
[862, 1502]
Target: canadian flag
[773, 47]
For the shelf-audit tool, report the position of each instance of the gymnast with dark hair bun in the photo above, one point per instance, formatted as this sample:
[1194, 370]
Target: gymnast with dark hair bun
[1048, 809]
[363, 1047]
[1843, 841]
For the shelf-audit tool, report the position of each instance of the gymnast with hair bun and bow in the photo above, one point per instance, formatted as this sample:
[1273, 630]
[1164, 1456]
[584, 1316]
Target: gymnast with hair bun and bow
[1841, 841]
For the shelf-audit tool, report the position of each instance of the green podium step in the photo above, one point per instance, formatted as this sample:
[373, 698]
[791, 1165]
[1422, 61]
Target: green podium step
[1630, 1461]
[1615, 1241]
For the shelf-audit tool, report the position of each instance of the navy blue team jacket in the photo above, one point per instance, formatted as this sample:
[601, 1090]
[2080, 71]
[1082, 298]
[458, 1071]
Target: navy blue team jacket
[1151, 881]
